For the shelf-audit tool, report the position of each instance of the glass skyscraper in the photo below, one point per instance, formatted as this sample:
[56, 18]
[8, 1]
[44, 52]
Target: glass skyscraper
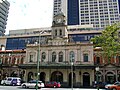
[99, 13]
[4, 8]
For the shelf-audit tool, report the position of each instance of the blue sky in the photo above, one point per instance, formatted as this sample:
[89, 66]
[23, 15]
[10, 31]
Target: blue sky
[25, 14]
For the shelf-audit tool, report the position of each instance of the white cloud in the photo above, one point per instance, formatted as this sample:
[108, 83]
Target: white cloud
[29, 14]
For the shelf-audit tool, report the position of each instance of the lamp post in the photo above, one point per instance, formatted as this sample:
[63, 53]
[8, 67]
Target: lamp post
[97, 69]
[71, 75]
[38, 59]
[72, 58]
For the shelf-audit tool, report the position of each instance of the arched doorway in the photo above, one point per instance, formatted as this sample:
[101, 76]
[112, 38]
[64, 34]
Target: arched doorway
[14, 74]
[110, 77]
[42, 77]
[70, 79]
[30, 76]
[22, 74]
[5, 75]
[118, 76]
[57, 76]
[86, 79]
[99, 76]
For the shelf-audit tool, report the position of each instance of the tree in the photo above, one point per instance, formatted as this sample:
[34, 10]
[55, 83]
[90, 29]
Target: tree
[109, 41]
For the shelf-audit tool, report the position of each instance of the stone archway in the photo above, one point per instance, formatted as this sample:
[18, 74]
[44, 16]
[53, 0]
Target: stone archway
[86, 79]
[110, 77]
[42, 77]
[118, 78]
[5, 75]
[100, 76]
[57, 76]
[14, 74]
[70, 79]
[30, 76]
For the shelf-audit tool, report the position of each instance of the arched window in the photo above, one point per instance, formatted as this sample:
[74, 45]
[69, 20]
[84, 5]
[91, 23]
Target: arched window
[97, 60]
[72, 56]
[43, 57]
[22, 59]
[60, 32]
[85, 57]
[31, 58]
[53, 57]
[57, 76]
[60, 57]
[55, 32]
[118, 57]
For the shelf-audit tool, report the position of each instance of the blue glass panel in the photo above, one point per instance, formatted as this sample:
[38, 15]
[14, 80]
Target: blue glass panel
[73, 12]
[19, 42]
[119, 5]
[81, 37]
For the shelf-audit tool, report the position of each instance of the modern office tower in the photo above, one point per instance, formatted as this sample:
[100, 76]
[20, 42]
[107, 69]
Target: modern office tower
[100, 13]
[60, 6]
[4, 8]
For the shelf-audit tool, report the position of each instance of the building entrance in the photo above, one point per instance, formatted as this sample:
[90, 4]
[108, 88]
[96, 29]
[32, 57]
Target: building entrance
[86, 79]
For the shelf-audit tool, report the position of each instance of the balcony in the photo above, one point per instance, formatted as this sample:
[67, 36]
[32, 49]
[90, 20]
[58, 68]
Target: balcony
[57, 65]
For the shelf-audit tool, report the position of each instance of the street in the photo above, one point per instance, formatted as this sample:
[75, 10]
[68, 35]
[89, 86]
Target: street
[19, 88]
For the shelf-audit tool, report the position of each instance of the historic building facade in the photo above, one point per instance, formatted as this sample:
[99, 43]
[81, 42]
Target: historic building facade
[109, 71]
[59, 59]
[9, 63]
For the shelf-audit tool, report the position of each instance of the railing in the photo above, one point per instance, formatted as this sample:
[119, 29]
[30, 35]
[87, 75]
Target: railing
[61, 63]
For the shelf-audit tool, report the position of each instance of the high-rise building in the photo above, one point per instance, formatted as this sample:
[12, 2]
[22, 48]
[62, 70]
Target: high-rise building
[60, 5]
[100, 13]
[4, 10]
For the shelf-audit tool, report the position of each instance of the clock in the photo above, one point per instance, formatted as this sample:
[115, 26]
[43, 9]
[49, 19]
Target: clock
[59, 20]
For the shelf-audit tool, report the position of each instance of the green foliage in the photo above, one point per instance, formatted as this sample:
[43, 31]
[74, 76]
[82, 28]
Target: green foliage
[109, 40]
